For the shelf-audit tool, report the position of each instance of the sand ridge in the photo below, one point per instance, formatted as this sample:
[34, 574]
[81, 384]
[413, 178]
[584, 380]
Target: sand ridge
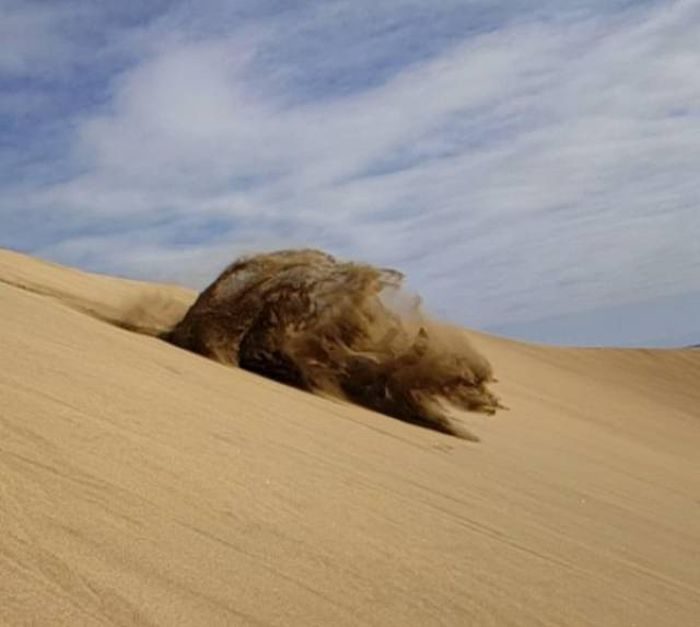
[143, 485]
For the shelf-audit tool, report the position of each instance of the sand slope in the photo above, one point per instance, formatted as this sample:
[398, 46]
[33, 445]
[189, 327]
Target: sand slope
[143, 485]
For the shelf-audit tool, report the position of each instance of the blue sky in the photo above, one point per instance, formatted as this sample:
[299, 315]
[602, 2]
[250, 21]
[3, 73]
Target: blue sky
[531, 166]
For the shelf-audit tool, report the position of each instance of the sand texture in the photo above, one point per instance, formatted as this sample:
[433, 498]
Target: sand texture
[141, 484]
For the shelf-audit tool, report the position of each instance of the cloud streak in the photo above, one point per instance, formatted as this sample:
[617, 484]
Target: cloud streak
[516, 165]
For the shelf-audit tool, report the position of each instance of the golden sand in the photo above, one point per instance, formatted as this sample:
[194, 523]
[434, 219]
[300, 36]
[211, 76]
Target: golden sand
[141, 484]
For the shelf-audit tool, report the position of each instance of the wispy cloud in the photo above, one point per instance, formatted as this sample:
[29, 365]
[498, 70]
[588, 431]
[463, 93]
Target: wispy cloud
[515, 163]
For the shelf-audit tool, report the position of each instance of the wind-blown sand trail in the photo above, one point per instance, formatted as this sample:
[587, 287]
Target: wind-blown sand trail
[144, 485]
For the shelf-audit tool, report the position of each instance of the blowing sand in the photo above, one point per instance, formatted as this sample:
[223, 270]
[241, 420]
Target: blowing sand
[141, 484]
[304, 318]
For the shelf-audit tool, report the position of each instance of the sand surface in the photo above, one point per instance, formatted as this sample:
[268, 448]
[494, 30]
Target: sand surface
[144, 485]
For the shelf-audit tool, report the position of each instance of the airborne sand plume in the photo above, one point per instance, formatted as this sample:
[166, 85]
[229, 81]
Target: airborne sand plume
[319, 324]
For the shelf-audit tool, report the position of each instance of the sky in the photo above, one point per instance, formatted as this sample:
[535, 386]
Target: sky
[532, 167]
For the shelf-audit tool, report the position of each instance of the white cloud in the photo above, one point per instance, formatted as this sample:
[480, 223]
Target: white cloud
[539, 168]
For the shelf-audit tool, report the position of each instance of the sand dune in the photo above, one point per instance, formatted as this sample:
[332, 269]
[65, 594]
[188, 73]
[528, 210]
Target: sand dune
[143, 485]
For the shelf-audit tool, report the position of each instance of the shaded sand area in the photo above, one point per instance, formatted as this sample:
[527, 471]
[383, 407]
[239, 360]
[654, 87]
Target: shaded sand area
[144, 485]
